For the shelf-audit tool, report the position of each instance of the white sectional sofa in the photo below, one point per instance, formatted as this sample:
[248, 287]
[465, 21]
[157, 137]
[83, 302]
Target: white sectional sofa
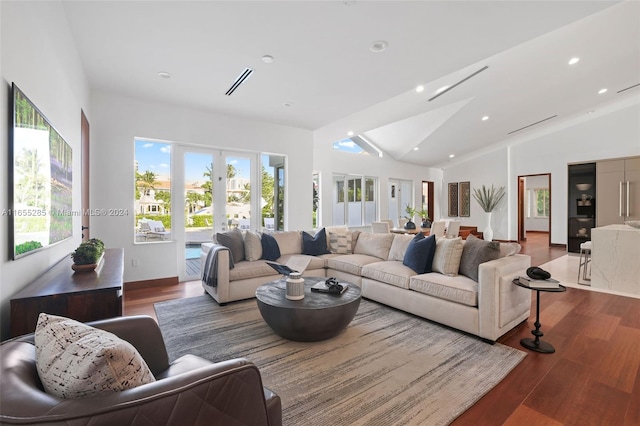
[488, 307]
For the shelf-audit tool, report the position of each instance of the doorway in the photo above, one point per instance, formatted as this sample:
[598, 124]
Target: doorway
[534, 206]
[400, 195]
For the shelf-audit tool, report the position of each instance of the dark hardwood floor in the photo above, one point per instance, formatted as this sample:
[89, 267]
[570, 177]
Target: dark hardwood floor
[593, 378]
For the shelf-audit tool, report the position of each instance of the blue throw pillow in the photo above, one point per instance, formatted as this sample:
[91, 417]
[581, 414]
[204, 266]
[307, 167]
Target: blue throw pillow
[315, 246]
[419, 254]
[270, 249]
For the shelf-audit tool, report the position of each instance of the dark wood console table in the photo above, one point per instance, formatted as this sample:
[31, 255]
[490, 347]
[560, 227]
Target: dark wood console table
[86, 296]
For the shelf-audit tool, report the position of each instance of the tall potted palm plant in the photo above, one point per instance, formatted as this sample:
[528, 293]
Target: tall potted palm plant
[488, 200]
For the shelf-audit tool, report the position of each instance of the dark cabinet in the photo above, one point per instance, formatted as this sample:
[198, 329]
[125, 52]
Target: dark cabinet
[581, 214]
[87, 296]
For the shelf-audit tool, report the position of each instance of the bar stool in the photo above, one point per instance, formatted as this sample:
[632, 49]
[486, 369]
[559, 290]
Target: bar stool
[585, 263]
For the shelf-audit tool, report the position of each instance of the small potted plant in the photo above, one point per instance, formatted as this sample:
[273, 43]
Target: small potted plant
[426, 223]
[87, 256]
[411, 214]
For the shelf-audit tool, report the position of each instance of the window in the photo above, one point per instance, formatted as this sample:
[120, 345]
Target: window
[542, 202]
[316, 199]
[350, 207]
[357, 145]
[152, 190]
[537, 203]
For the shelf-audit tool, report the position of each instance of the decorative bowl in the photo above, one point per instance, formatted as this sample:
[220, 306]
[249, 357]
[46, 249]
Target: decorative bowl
[583, 186]
[634, 223]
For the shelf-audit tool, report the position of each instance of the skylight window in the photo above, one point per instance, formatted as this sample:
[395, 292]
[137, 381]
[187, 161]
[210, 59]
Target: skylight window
[357, 145]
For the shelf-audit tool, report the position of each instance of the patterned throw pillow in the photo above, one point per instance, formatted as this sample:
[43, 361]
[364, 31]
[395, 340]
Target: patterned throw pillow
[340, 242]
[447, 257]
[76, 360]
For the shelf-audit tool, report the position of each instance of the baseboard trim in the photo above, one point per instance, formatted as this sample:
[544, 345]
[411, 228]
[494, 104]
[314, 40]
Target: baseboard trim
[537, 232]
[159, 282]
[557, 245]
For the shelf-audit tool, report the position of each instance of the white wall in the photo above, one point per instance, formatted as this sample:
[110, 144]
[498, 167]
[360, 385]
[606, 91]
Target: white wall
[612, 131]
[490, 169]
[38, 53]
[535, 223]
[118, 120]
[327, 161]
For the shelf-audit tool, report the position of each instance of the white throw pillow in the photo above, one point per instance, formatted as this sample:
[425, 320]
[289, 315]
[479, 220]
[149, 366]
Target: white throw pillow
[399, 246]
[376, 245]
[446, 260]
[252, 246]
[509, 249]
[76, 360]
[289, 242]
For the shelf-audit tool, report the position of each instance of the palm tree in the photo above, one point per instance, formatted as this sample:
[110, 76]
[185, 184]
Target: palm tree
[146, 181]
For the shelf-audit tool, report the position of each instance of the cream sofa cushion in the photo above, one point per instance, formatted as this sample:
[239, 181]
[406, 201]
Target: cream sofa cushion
[75, 360]
[458, 289]
[390, 272]
[245, 269]
[399, 246]
[446, 259]
[377, 245]
[351, 263]
[289, 242]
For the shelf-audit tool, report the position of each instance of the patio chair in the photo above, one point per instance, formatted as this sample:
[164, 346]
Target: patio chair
[157, 229]
[270, 223]
[244, 224]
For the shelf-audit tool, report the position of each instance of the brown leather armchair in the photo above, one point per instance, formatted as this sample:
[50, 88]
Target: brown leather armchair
[189, 391]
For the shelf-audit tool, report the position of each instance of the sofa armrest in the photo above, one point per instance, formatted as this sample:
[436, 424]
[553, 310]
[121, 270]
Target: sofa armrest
[221, 292]
[144, 334]
[501, 304]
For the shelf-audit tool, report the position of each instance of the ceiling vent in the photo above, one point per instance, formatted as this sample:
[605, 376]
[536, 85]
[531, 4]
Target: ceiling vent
[630, 87]
[533, 124]
[241, 78]
[460, 82]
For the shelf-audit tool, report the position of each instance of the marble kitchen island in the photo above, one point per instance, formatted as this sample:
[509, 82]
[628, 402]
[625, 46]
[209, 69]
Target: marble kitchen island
[616, 259]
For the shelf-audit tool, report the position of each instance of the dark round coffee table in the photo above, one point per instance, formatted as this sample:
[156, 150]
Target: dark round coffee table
[319, 316]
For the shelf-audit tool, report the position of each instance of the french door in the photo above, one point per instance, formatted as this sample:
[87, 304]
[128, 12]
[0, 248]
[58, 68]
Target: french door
[217, 191]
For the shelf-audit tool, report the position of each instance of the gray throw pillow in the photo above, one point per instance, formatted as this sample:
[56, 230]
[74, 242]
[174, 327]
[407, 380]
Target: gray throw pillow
[475, 252]
[234, 242]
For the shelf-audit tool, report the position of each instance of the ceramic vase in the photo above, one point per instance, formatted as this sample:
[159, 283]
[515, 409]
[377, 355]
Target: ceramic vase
[295, 286]
[487, 232]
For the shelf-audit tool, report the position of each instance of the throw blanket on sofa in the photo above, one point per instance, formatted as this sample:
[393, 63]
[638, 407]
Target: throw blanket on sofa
[210, 267]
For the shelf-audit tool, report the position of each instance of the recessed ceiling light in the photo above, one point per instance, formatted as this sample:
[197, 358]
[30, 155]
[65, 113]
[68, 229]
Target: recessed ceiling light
[591, 112]
[485, 118]
[419, 89]
[166, 75]
[601, 91]
[378, 46]
[451, 155]
[416, 148]
[267, 59]
[440, 90]
[574, 60]
[349, 133]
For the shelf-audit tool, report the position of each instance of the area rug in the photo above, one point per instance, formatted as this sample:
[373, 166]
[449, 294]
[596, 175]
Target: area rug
[386, 368]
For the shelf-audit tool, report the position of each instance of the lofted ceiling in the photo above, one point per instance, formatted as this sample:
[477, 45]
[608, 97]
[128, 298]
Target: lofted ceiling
[325, 77]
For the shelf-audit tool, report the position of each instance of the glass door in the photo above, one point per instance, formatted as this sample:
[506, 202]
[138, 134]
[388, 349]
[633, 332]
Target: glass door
[240, 182]
[198, 208]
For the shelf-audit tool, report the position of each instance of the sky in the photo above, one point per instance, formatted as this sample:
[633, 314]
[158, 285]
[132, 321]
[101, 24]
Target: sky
[156, 157]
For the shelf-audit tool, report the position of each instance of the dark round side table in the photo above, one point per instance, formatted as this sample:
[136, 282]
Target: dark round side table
[319, 316]
[536, 344]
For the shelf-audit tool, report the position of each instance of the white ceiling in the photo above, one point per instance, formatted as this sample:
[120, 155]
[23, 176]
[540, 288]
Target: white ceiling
[324, 69]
